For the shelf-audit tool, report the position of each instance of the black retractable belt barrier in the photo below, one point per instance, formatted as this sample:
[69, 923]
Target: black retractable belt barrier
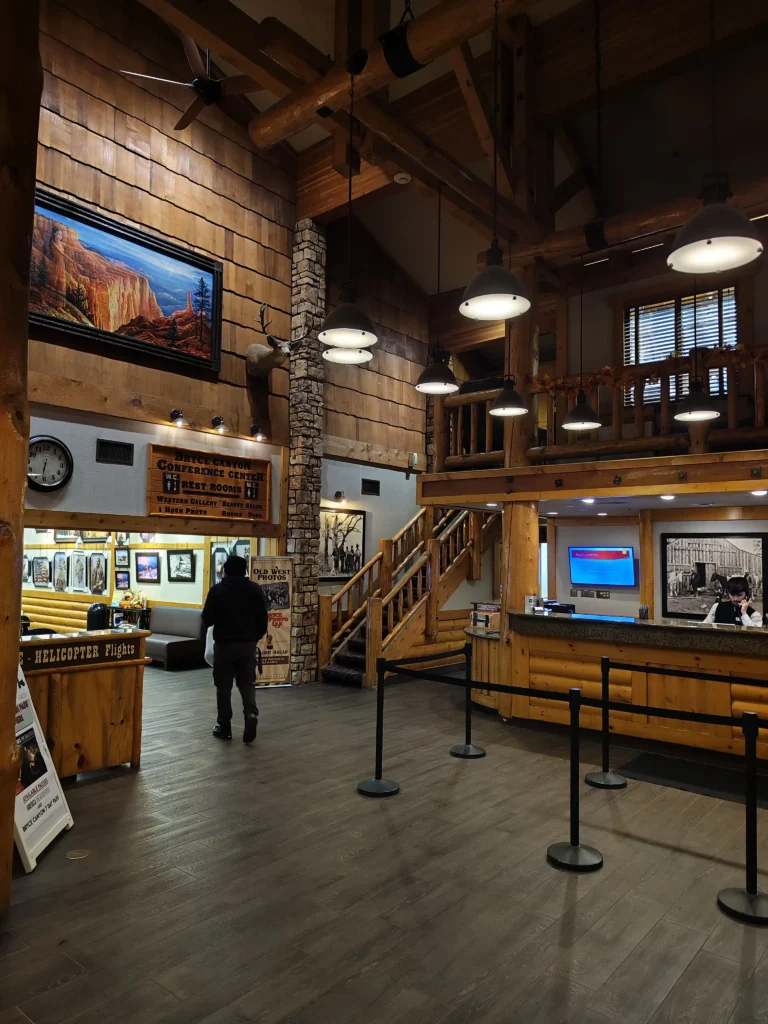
[606, 779]
[377, 786]
[748, 904]
[467, 749]
[572, 856]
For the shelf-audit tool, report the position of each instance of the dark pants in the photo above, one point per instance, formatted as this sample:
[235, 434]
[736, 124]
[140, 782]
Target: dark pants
[236, 661]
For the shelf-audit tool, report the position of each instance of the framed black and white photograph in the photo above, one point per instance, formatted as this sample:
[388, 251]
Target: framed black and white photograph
[60, 571]
[41, 572]
[342, 543]
[123, 540]
[95, 536]
[79, 570]
[25, 569]
[66, 536]
[181, 566]
[97, 573]
[122, 558]
[696, 567]
[243, 549]
[218, 558]
[122, 579]
[147, 566]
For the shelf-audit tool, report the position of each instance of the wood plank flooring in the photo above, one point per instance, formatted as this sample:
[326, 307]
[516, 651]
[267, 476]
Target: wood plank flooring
[230, 884]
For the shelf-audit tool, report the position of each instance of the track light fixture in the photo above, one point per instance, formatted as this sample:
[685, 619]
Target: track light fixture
[219, 425]
[257, 433]
[177, 418]
[341, 497]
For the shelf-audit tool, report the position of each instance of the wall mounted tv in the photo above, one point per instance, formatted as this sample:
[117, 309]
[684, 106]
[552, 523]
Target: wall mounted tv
[602, 567]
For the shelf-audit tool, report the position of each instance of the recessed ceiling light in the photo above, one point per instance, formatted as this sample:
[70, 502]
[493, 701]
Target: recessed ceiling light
[588, 501]
[553, 513]
[602, 513]
[402, 178]
[759, 494]
[492, 504]
[667, 497]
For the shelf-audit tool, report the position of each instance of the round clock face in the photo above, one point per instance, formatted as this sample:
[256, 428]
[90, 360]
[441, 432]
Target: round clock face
[50, 464]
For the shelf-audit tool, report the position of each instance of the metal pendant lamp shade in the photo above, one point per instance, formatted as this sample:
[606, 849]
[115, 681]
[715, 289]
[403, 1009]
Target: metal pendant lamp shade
[347, 326]
[582, 416]
[719, 237]
[696, 407]
[349, 356]
[508, 402]
[437, 378]
[495, 293]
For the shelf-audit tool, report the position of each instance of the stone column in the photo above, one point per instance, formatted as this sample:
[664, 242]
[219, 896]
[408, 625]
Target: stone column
[306, 439]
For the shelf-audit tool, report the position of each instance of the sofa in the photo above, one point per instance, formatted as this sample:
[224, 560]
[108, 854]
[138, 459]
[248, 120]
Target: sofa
[178, 637]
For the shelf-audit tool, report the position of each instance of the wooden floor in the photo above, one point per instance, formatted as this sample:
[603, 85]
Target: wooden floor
[231, 884]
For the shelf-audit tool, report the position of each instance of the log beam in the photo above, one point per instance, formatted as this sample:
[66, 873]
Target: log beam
[21, 84]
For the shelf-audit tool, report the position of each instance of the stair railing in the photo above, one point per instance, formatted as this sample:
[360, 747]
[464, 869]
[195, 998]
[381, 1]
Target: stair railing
[389, 615]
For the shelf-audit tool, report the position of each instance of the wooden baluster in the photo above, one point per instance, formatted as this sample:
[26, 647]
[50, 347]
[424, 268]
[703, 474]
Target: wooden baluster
[433, 601]
[665, 418]
[385, 566]
[324, 629]
[594, 400]
[569, 404]
[488, 428]
[373, 638]
[473, 410]
[441, 429]
[639, 408]
[617, 411]
[460, 430]
[759, 395]
[733, 396]
[476, 540]
[550, 399]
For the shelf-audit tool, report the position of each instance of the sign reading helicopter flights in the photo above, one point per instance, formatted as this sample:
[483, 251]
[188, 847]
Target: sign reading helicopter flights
[41, 809]
[275, 577]
[209, 485]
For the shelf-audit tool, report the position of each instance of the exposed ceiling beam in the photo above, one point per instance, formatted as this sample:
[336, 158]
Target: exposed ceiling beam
[436, 32]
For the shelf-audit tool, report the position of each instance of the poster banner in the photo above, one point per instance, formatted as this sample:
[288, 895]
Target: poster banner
[41, 809]
[275, 577]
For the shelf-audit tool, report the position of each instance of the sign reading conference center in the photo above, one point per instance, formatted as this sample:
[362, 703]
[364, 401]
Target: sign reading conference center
[210, 485]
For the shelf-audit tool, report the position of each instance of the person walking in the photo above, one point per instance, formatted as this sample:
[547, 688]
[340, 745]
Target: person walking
[236, 609]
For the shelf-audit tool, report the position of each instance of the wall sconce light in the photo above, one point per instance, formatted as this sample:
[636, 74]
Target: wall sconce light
[341, 497]
[177, 418]
[219, 425]
[257, 433]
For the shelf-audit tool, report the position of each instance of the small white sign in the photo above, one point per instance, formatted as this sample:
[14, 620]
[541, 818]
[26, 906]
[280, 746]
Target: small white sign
[41, 808]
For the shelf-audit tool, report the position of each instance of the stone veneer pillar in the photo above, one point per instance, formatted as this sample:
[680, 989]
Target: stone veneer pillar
[306, 439]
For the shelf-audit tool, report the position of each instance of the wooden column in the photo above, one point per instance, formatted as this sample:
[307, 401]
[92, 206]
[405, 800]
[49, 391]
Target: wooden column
[520, 576]
[385, 568]
[476, 536]
[372, 640]
[433, 602]
[647, 567]
[440, 434]
[552, 559]
[324, 629]
[522, 362]
[21, 82]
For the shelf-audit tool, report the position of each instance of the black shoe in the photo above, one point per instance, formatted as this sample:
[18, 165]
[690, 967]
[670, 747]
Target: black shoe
[251, 725]
[222, 732]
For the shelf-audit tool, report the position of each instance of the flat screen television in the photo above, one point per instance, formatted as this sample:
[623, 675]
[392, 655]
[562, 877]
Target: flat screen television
[602, 567]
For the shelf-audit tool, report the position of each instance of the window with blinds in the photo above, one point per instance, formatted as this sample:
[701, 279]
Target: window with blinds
[655, 330]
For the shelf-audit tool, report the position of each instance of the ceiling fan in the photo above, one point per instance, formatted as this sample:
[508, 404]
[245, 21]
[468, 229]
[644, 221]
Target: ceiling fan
[209, 90]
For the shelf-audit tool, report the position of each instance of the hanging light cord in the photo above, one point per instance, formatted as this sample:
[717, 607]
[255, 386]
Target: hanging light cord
[349, 175]
[407, 13]
[439, 249]
[713, 83]
[598, 112]
[695, 326]
[495, 48]
[581, 327]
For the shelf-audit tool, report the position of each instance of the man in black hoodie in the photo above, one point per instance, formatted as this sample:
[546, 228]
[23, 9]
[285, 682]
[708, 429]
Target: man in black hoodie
[238, 613]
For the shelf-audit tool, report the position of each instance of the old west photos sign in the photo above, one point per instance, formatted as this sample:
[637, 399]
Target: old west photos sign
[210, 485]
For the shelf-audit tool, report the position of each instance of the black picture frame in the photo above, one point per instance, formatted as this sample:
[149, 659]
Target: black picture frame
[40, 579]
[53, 328]
[328, 562]
[122, 579]
[60, 558]
[122, 558]
[218, 558]
[172, 555]
[154, 558]
[25, 569]
[706, 595]
[98, 584]
[66, 536]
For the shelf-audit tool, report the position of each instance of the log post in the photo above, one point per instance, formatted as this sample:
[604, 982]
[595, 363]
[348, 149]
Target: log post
[440, 429]
[385, 567]
[324, 629]
[21, 82]
[476, 539]
[697, 436]
[647, 568]
[433, 601]
[520, 576]
[373, 640]
[617, 411]
[551, 559]
[522, 360]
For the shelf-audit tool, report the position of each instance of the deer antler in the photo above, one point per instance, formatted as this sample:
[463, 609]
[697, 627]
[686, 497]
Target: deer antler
[262, 316]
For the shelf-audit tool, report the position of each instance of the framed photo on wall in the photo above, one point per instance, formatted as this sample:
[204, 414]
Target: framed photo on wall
[60, 571]
[79, 570]
[97, 573]
[122, 558]
[181, 566]
[122, 579]
[243, 549]
[102, 282]
[66, 536]
[123, 540]
[695, 568]
[218, 558]
[41, 572]
[25, 569]
[95, 536]
[342, 543]
[147, 566]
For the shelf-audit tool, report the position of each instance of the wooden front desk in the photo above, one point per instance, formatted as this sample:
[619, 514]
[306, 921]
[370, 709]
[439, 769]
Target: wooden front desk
[88, 692]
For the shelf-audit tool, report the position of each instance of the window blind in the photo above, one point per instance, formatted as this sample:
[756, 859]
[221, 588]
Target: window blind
[656, 330]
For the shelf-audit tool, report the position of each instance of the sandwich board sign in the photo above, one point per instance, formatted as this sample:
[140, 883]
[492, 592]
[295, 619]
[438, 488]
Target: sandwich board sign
[41, 808]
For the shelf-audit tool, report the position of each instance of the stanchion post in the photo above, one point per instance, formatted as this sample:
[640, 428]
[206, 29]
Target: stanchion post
[606, 779]
[572, 856]
[378, 786]
[467, 749]
[748, 904]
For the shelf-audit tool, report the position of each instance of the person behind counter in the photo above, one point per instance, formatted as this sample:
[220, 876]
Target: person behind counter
[734, 609]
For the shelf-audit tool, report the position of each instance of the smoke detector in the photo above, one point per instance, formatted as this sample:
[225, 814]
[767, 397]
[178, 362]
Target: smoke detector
[402, 178]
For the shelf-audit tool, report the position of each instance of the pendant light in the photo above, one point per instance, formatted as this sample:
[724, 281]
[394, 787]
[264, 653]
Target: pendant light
[495, 293]
[697, 406]
[508, 402]
[582, 416]
[348, 326]
[719, 237]
[438, 378]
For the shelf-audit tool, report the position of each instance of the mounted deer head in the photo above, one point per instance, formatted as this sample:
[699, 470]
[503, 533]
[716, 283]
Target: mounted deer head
[260, 360]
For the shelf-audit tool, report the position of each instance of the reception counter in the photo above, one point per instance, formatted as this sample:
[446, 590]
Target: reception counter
[88, 692]
[556, 652]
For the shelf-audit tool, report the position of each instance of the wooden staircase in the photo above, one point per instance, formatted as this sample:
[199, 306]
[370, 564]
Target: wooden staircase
[392, 607]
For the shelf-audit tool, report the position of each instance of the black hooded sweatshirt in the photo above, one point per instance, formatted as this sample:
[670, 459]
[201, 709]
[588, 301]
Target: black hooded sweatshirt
[237, 611]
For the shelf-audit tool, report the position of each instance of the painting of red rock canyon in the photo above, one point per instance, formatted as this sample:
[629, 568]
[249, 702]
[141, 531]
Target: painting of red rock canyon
[101, 281]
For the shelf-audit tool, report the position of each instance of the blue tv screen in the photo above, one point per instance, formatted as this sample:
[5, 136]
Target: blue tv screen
[602, 567]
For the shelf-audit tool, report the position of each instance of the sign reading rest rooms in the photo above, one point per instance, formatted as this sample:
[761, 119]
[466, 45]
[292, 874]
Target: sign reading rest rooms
[185, 482]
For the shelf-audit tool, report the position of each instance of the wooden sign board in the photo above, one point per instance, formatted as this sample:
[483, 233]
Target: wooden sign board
[37, 656]
[210, 485]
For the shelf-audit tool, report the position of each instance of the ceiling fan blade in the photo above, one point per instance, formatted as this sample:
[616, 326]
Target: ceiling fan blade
[154, 78]
[236, 85]
[190, 114]
[193, 56]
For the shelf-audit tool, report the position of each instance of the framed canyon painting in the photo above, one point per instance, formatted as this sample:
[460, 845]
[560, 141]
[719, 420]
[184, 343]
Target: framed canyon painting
[97, 280]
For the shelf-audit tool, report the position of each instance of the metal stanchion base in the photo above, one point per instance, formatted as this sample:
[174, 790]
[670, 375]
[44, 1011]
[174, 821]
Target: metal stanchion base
[378, 787]
[605, 780]
[574, 858]
[744, 906]
[467, 750]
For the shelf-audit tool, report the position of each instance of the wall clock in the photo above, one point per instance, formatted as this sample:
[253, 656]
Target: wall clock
[50, 463]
